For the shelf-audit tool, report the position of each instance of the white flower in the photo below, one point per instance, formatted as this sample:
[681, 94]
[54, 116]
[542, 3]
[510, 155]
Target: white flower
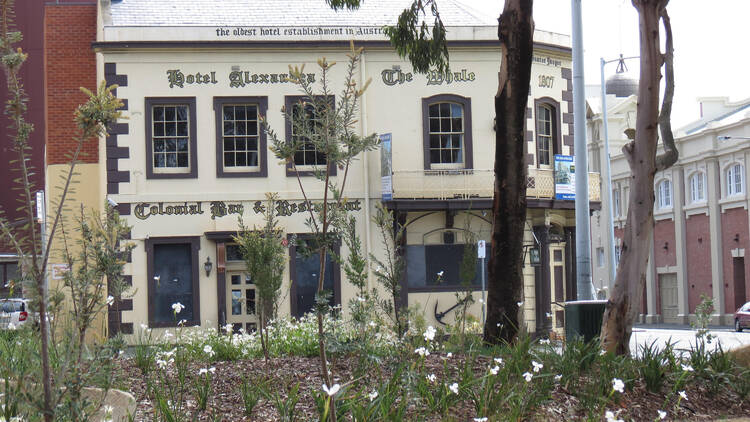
[602, 352]
[558, 377]
[161, 363]
[537, 365]
[373, 324]
[422, 351]
[177, 307]
[429, 335]
[494, 370]
[431, 378]
[331, 391]
[212, 370]
[372, 396]
[202, 371]
[207, 349]
[110, 300]
[618, 385]
[683, 395]
[157, 278]
[662, 414]
[440, 273]
[544, 341]
[610, 416]
[11, 326]
[144, 327]
[449, 355]
[360, 299]
[483, 419]
[454, 388]
[168, 334]
[687, 368]
[519, 303]
[549, 315]
[228, 328]
[108, 410]
[527, 376]
[498, 361]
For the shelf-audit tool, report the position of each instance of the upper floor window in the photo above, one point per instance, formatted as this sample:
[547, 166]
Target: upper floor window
[735, 180]
[240, 140]
[664, 189]
[447, 132]
[171, 138]
[698, 187]
[547, 131]
[616, 210]
[305, 123]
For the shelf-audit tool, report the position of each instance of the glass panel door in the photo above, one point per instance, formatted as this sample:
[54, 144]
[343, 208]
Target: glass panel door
[241, 302]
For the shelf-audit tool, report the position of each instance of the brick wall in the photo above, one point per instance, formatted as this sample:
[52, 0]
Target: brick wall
[70, 63]
[664, 235]
[698, 247]
[734, 225]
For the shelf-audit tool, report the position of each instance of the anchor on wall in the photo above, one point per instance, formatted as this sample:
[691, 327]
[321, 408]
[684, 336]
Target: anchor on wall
[439, 315]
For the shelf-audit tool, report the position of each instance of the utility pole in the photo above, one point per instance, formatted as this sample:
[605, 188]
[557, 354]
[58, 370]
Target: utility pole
[584, 286]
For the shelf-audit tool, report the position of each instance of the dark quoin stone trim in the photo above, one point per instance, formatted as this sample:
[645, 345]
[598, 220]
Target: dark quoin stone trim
[195, 245]
[114, 175]
[468, 143]
[556, 129]
[289, 102]
[192, 133]
[123, 209]
[262, 104]
[567, 96]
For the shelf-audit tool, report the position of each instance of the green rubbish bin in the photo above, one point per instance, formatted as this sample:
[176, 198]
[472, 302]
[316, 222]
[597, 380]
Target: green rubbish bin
[583, 318]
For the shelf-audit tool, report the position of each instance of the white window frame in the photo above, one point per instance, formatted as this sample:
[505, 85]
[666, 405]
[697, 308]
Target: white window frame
[616, 210]
[734, 176]
[664, 196]
[697, 183]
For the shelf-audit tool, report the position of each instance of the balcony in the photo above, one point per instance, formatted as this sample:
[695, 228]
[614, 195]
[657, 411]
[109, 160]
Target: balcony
[467, 184]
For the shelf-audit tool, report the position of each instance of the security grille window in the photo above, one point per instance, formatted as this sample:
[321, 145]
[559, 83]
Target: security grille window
[446, 133]
[697, 188]
[307, 154]
[170, 136]
[734, 180]
[544, 134]
[241, 136]
[665, 194]
[431, 267]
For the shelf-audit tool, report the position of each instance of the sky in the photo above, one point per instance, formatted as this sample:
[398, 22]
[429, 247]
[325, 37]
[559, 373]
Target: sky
[710, 40]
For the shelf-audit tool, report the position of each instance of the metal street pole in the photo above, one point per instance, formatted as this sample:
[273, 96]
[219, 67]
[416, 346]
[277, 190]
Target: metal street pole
[583, 230]
[608, 169]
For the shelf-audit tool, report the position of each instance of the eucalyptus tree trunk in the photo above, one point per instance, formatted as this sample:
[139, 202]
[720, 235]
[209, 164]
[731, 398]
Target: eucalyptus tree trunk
[505, 281]
[625, 301]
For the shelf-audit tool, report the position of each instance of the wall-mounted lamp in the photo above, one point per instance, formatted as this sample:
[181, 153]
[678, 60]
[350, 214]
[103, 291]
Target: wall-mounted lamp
[207, 266]
[534, 257]
[737, 237]
[666, 246]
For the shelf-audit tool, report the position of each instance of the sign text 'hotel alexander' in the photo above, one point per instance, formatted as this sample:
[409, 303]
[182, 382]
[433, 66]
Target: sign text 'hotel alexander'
[217, 209]
[237, 78]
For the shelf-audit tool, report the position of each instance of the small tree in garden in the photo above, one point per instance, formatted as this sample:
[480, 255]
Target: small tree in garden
[389, 271]
[264, 254]
[329, 127]
[91, 118]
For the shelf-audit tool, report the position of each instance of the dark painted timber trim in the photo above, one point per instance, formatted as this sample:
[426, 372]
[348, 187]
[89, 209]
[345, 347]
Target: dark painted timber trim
[115, 176]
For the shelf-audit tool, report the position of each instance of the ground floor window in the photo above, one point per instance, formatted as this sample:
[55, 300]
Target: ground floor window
[438, 266]
[10, 278]
[173, 278]
[305, 270]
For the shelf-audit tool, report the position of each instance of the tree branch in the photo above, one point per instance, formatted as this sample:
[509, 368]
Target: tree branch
[671, 154]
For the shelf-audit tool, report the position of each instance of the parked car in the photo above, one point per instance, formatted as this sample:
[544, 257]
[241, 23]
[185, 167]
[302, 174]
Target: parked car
[742, 317]
[15, 312]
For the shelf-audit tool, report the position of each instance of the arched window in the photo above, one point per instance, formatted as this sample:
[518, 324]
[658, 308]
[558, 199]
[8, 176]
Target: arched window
[447, 132]
[547, 131]
[735, 180]
[664, 189]
[697, 187]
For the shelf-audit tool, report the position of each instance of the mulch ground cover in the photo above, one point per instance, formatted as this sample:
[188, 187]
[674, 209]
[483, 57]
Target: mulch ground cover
[226, 403]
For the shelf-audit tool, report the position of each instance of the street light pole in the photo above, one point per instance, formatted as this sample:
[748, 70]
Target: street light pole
[608, 172]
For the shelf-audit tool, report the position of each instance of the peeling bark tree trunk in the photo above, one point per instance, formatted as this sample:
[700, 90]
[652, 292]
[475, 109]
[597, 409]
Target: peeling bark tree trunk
[625, 301]
[505, 281]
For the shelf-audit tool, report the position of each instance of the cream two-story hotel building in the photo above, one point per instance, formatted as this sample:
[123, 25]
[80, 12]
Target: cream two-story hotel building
[192, 157]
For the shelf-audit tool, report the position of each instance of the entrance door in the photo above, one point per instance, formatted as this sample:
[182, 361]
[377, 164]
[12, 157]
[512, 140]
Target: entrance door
[305, 276]
[739, 281]
[557, 263]
[241, 302]
[668, 294]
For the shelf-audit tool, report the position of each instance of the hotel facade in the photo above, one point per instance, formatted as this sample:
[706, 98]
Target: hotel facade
[192, 156]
